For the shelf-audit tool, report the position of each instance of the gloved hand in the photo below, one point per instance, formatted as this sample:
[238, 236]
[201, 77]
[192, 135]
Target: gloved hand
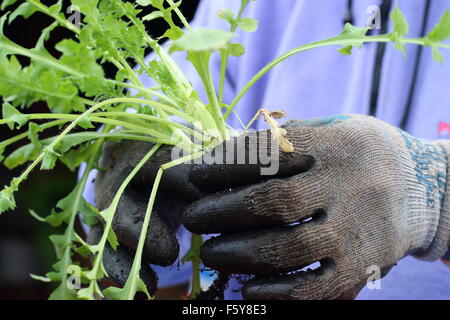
[175, 191]
[356, 194]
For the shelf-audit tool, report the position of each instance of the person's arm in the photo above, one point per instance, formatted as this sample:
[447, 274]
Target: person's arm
[356, 195]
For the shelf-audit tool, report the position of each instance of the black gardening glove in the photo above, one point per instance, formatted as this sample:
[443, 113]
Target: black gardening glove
[161, 246]
[356, 195]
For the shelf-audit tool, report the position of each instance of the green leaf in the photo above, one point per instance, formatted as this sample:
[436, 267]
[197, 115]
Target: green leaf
[62, 292]
[81, 57]
[25, 10]
[73, 158]
[6, 3]
[202, 40]
[64, 206]
[400, 23]
[191, 254]
[29, 152]
[236, 49]
[436, 54]
[85, 123]
[89, 292]
[112, 239]
[173, 34]
[227, 15]
[40, 278]
[248, 24]
[49, 160]
[13, 116]
[401, 28]
[89, 214]
[351, 32]
[7, 201]
[24, 86]
[152, 16]
[441, 31]
[128, 291]
[33, 130]
[20, 156]
[144, 3]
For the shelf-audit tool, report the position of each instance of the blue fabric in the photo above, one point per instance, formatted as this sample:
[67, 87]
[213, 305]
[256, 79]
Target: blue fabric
[447, 255]
[323, 83]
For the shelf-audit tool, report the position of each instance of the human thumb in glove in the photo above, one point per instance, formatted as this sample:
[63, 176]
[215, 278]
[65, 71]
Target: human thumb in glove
[355, 194]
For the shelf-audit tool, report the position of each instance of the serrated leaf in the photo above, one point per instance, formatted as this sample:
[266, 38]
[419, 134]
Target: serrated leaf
[29, 152]
[24, 86]
[13, 116]
[248, 24]
[7, 201]
[202, 40]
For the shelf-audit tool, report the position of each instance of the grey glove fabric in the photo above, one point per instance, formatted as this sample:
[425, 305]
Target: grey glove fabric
[161, 246]
[356, 193]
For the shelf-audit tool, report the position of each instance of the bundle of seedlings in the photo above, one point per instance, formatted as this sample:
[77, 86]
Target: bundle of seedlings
[80, 96]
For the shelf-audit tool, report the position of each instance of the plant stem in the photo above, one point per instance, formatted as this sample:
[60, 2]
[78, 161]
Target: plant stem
[108, 215]
[196, 242]
[328, 42]
[44, 9]
[138, 256]
[180, 15]
[74, 211]
[205, 75]
[23, 135]
[225, 54]
[25, 174]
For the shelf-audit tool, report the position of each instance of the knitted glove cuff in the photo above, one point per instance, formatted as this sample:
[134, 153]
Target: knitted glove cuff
[441, 241]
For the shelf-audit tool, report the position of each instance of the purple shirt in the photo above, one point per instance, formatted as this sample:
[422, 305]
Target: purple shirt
[322, 82]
